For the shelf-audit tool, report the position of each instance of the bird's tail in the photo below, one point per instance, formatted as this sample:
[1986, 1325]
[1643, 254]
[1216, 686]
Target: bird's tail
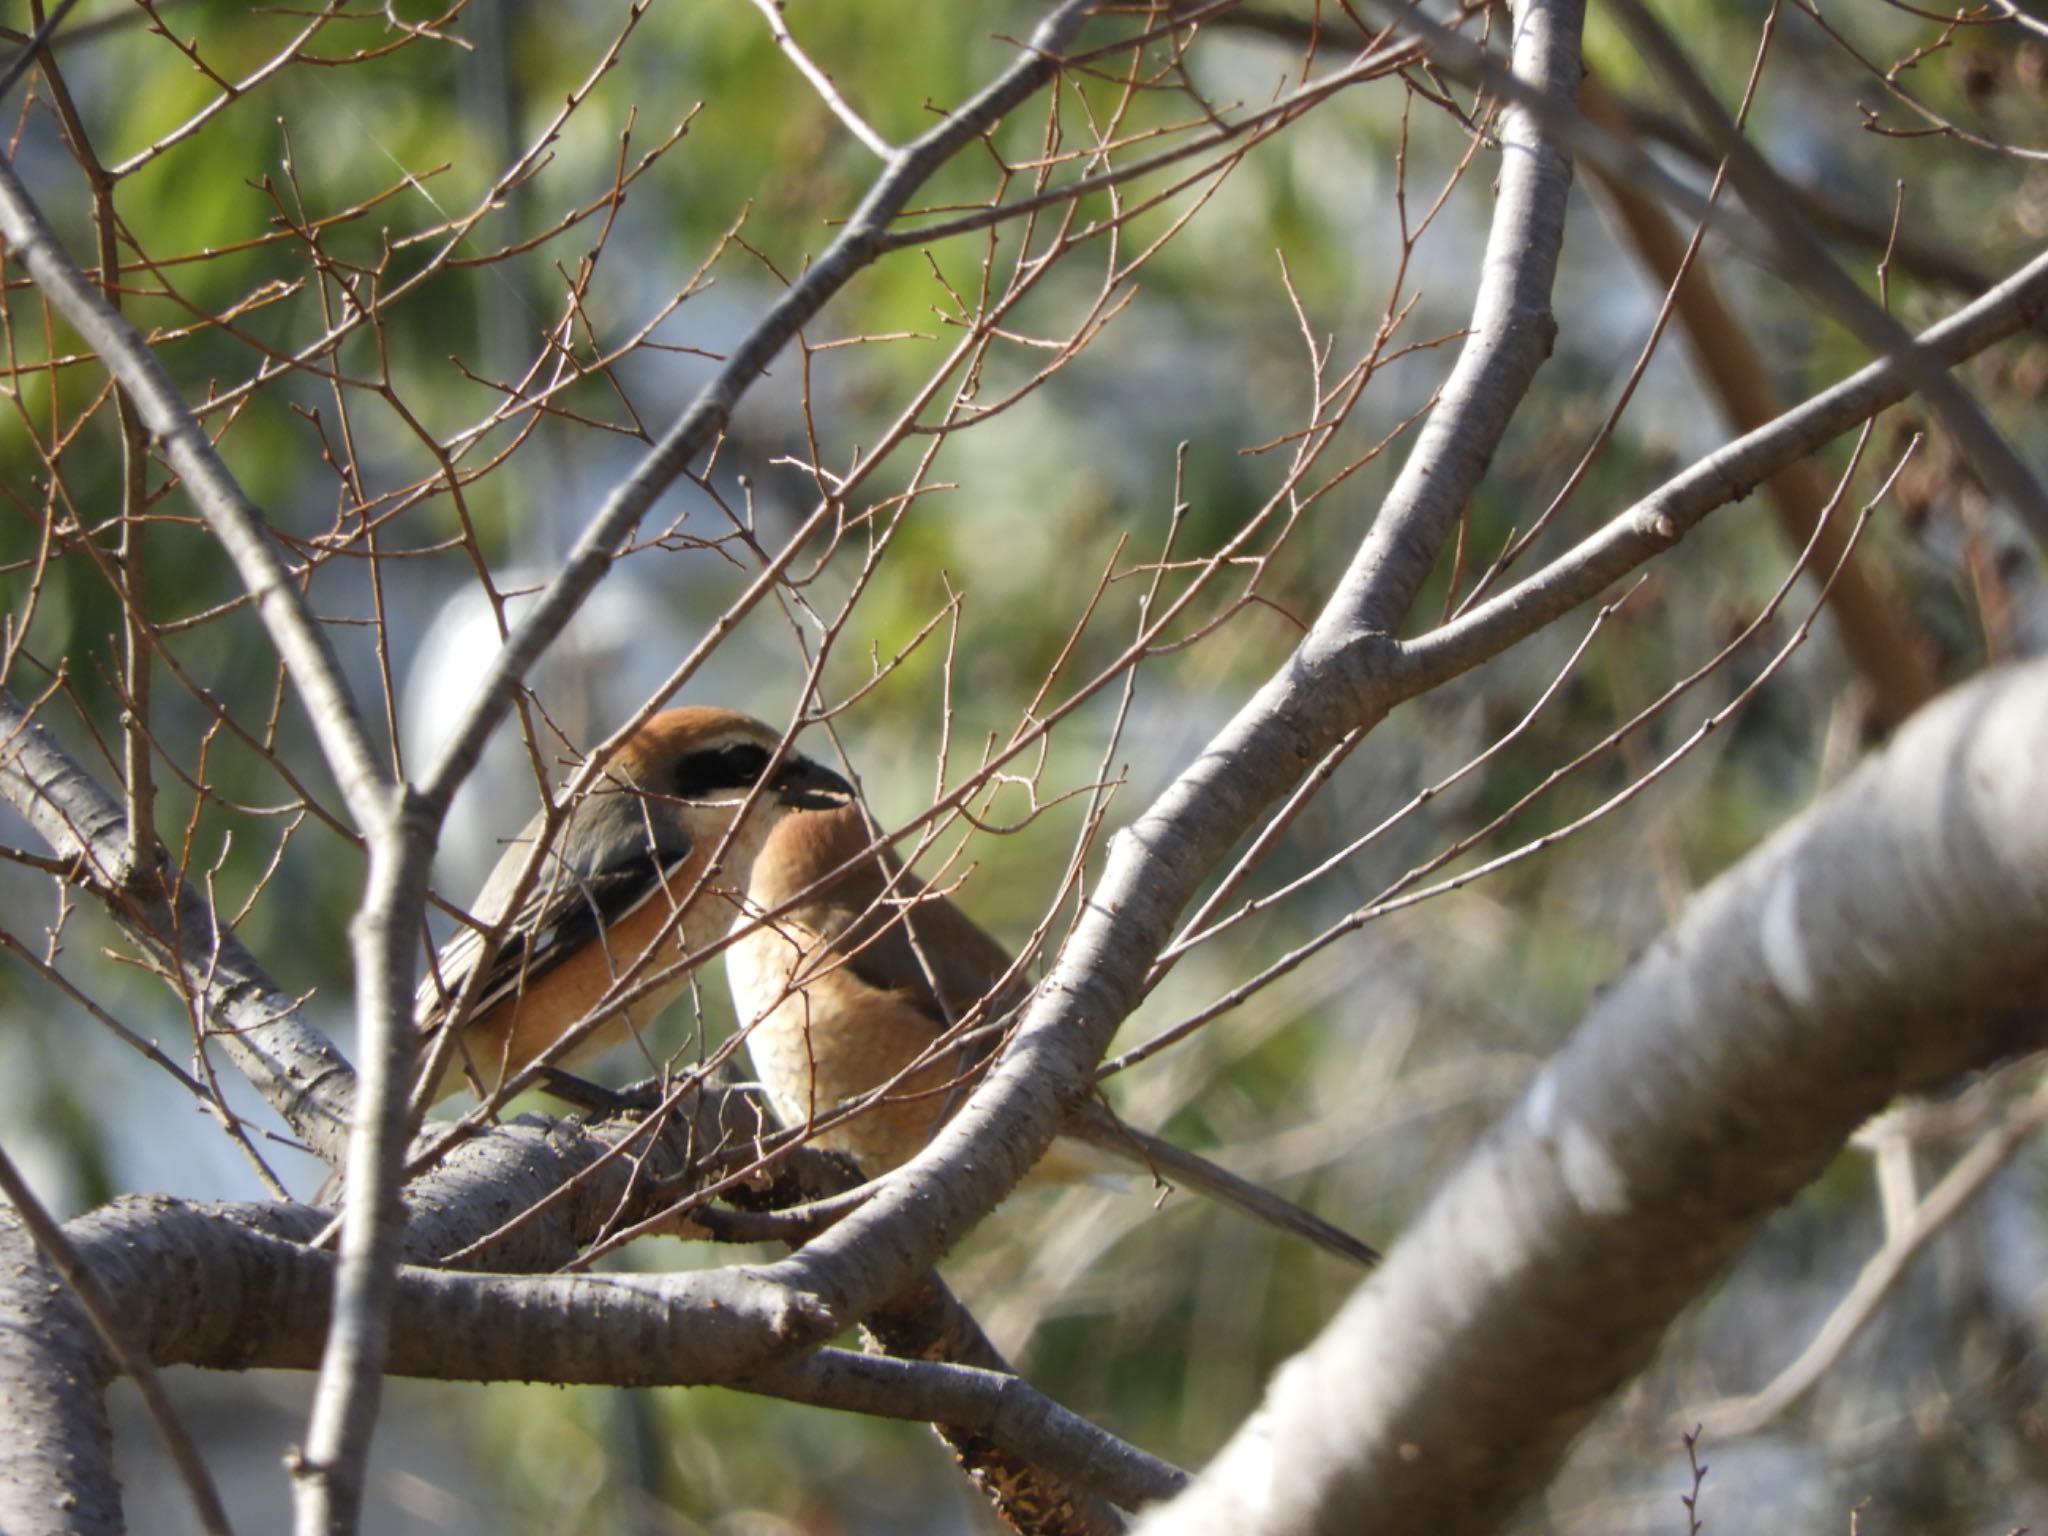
[1095, 1124]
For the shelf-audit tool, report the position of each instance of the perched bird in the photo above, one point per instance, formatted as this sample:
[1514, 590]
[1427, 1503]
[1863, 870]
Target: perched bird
[621, 893]
[862, 977]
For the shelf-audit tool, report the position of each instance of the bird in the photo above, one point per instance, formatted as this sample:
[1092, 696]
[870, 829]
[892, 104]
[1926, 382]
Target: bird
[623, 893]
[866, 972]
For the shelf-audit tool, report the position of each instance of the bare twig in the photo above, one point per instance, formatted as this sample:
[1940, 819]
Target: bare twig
[1967, 1179]
[1991, 457]
[1661, 519]
[778, 26]
[707, 416]
[1886, 642]
[234, 518]
[1881, 944]
[37, 41]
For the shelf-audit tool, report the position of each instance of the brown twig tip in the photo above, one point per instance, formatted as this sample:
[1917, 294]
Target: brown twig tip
[1167, 466]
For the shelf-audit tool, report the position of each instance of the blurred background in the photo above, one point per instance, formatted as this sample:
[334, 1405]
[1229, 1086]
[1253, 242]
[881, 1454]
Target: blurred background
[558, 219]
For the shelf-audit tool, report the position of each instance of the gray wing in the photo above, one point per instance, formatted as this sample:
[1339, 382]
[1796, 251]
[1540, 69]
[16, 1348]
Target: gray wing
[616, 850]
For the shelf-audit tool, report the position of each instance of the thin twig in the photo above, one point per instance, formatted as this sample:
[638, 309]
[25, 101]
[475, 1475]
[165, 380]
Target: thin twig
[707, 416]
[1991, 457]
[1661, 519]
[1880, 1276]
[38, 40]
[778, 27]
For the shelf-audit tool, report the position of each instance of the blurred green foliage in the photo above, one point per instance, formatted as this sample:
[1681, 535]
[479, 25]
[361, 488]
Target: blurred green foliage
[1358, 1080]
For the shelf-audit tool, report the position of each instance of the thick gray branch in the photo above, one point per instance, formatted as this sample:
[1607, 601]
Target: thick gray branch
[1889, 939]
[329, 1473]
[234, 1287]
[57, 1454]
[1512, 333]
[266, 1302]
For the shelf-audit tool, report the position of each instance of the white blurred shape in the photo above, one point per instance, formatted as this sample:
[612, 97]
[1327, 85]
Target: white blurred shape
[617, 650]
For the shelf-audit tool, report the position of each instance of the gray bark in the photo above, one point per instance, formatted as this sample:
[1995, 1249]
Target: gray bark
[1888, 940]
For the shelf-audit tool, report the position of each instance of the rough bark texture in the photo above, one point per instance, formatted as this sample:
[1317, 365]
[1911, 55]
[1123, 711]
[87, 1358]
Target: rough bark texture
[57, 1449]
[1888, 940]
[231, 1286]
[929, 1323]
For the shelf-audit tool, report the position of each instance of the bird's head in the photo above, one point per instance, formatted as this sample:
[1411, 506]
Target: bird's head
[699, 753]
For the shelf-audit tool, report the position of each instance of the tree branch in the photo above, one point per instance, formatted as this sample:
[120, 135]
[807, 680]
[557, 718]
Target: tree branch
[1991, 457]
[1883, 943]
[1664, 517]
[857, 244]
[295, 1068]
[996, 1405]
[329, 1474]
[236, 1287]
[58, 1452]
[85, 1289]
[1324, 690]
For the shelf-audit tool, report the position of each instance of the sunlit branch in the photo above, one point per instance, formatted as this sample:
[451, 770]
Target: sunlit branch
[1660, 520]
[778, 27]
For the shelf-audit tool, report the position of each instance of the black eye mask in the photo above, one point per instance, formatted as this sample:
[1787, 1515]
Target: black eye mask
[719, 770]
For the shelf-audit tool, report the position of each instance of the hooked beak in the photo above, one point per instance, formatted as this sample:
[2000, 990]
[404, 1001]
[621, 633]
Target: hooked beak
[809, 786]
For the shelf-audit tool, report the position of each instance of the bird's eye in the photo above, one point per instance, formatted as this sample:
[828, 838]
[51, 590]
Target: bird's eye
[719, 769]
